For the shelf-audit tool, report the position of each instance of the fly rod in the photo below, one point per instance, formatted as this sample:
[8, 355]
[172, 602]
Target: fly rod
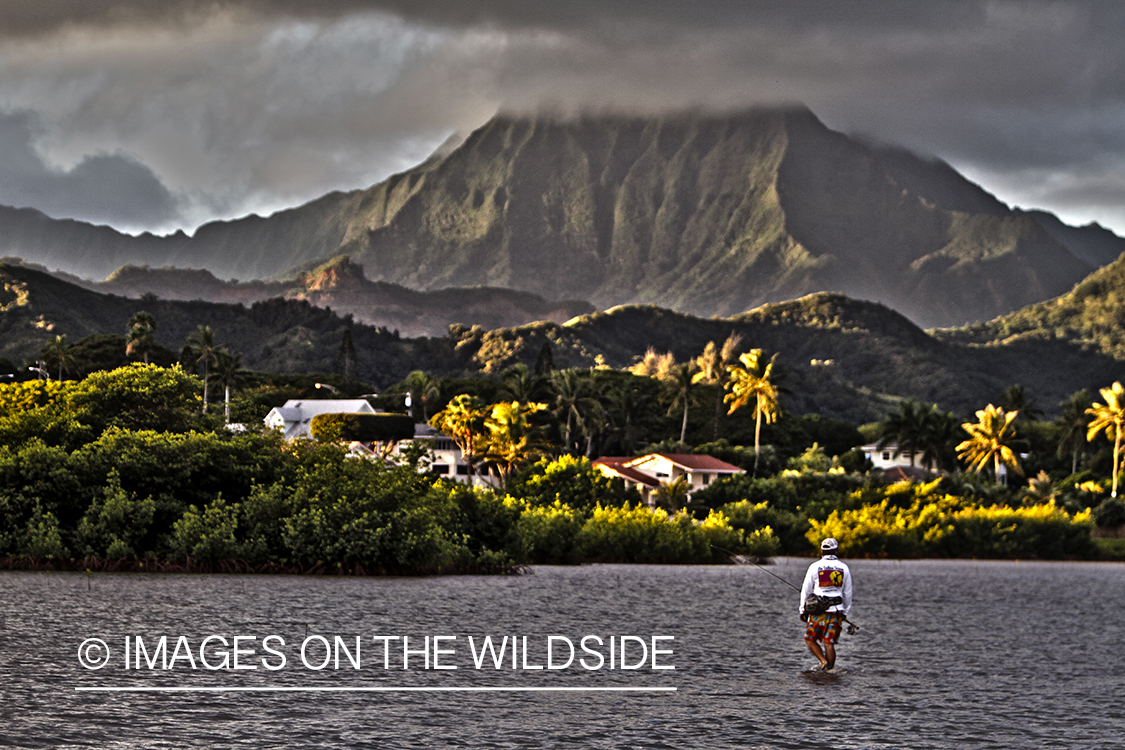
[743, 559]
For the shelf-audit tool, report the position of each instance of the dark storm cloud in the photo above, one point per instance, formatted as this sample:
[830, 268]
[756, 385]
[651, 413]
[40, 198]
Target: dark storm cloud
[101, 188]
[254, 104]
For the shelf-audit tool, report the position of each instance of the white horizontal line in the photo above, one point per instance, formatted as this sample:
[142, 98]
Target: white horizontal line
[183, 689]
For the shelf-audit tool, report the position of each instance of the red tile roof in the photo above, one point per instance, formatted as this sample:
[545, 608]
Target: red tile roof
[693, 462]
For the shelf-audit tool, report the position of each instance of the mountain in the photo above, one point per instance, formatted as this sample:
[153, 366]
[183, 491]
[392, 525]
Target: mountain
[707, 214]
[1092, 316]
[250, 248]
[841, 357]
[341, 285]
[1092, 243]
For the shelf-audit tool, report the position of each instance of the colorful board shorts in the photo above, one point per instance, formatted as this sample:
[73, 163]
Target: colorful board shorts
[825, 627]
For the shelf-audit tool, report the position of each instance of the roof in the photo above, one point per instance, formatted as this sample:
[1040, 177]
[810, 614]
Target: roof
[906, 473]
[617, 466]
[296, 414]
[310, 407]
[691, 462]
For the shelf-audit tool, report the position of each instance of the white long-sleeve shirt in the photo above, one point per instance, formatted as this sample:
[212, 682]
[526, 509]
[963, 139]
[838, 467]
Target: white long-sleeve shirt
[828, 577]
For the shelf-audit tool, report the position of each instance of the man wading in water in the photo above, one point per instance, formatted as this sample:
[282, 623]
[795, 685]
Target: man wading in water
[826, 599]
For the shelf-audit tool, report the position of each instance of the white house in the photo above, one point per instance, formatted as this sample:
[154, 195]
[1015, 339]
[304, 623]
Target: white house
[294, 417]
[889, 456]
[648, 472]
[446, 457]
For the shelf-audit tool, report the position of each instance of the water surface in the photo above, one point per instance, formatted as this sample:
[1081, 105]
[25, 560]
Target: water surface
[951, 654]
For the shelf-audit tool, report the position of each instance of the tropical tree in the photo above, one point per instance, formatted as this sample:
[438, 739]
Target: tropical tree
[141, 336]
[990, 439]
[347, 364]
[1109, 417]
[1073, 422]
[905, 429]
[1015, 399]
[227, 373]
[753, 380]
[201, 346]
[713, 365]
[922, 432]
[574, 402]
[462, 420]
[679, 388]
[522, 384]
[57, 354]
[512, 441]
[424, 391]
[673, 494]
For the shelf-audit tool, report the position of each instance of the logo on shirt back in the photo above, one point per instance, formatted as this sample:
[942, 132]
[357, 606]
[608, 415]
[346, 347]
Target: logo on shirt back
[830, 577]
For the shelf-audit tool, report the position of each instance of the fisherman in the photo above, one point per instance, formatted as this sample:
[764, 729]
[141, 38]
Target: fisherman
[826, 599]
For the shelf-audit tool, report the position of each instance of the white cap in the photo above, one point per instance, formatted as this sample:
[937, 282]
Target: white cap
[829, 545]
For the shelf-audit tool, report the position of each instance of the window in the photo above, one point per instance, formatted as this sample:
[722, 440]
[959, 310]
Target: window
[706, 479]
[462, 470]
[440, 468]
[886, 455]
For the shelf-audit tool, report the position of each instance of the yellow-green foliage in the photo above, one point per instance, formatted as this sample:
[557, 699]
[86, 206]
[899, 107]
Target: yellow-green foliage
[948, 525]
[32, 394]
[546, 533]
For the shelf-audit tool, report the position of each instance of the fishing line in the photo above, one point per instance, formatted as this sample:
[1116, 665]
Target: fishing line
[742, 560]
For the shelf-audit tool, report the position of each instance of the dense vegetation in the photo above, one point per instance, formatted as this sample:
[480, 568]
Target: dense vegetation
[122, 470]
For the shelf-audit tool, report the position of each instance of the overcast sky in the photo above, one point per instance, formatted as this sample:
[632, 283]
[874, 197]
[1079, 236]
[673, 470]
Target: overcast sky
[162, 115]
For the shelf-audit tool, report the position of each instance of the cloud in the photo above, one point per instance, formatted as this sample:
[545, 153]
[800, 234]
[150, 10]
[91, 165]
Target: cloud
[102, 187]
[240, 105]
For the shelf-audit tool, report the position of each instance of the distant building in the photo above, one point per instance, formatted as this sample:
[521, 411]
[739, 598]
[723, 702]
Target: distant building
[445, 455]
[294, 417]
[647, 473]
[889, 456]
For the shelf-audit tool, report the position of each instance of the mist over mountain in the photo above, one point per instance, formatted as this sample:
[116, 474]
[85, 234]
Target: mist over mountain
[706, 214]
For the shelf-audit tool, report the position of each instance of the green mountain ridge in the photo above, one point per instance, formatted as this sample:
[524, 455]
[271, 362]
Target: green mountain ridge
[341, 285]
[842, 358]
[706, 214]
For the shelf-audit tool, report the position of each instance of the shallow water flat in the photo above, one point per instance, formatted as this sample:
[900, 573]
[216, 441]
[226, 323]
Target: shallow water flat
[951, 654]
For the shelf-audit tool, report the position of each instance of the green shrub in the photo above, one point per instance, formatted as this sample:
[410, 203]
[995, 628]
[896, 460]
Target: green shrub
[366, 428]
[547, 533]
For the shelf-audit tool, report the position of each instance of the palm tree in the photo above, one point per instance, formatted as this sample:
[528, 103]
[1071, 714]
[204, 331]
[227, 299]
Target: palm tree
[573, 402]
[679, 388]
[424, 389]
[1109, 417]
[141, 335]
[754, 380]
[57, 353]
[905, 428]
[522, 384]
[938, 438]
[713, 365]
[201, 345]
[990, 440]
[673, 494]
[1074, 422]
[228, 373]
[462, 420]
[512, 440]
[1016, 399]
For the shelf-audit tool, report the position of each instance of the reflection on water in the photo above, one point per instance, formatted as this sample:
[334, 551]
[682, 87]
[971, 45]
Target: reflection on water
[951, 654]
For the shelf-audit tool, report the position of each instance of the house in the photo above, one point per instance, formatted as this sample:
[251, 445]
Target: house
[889, 456]
[649, 472]
[446, 457]
[294, 417]
[615, 468]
